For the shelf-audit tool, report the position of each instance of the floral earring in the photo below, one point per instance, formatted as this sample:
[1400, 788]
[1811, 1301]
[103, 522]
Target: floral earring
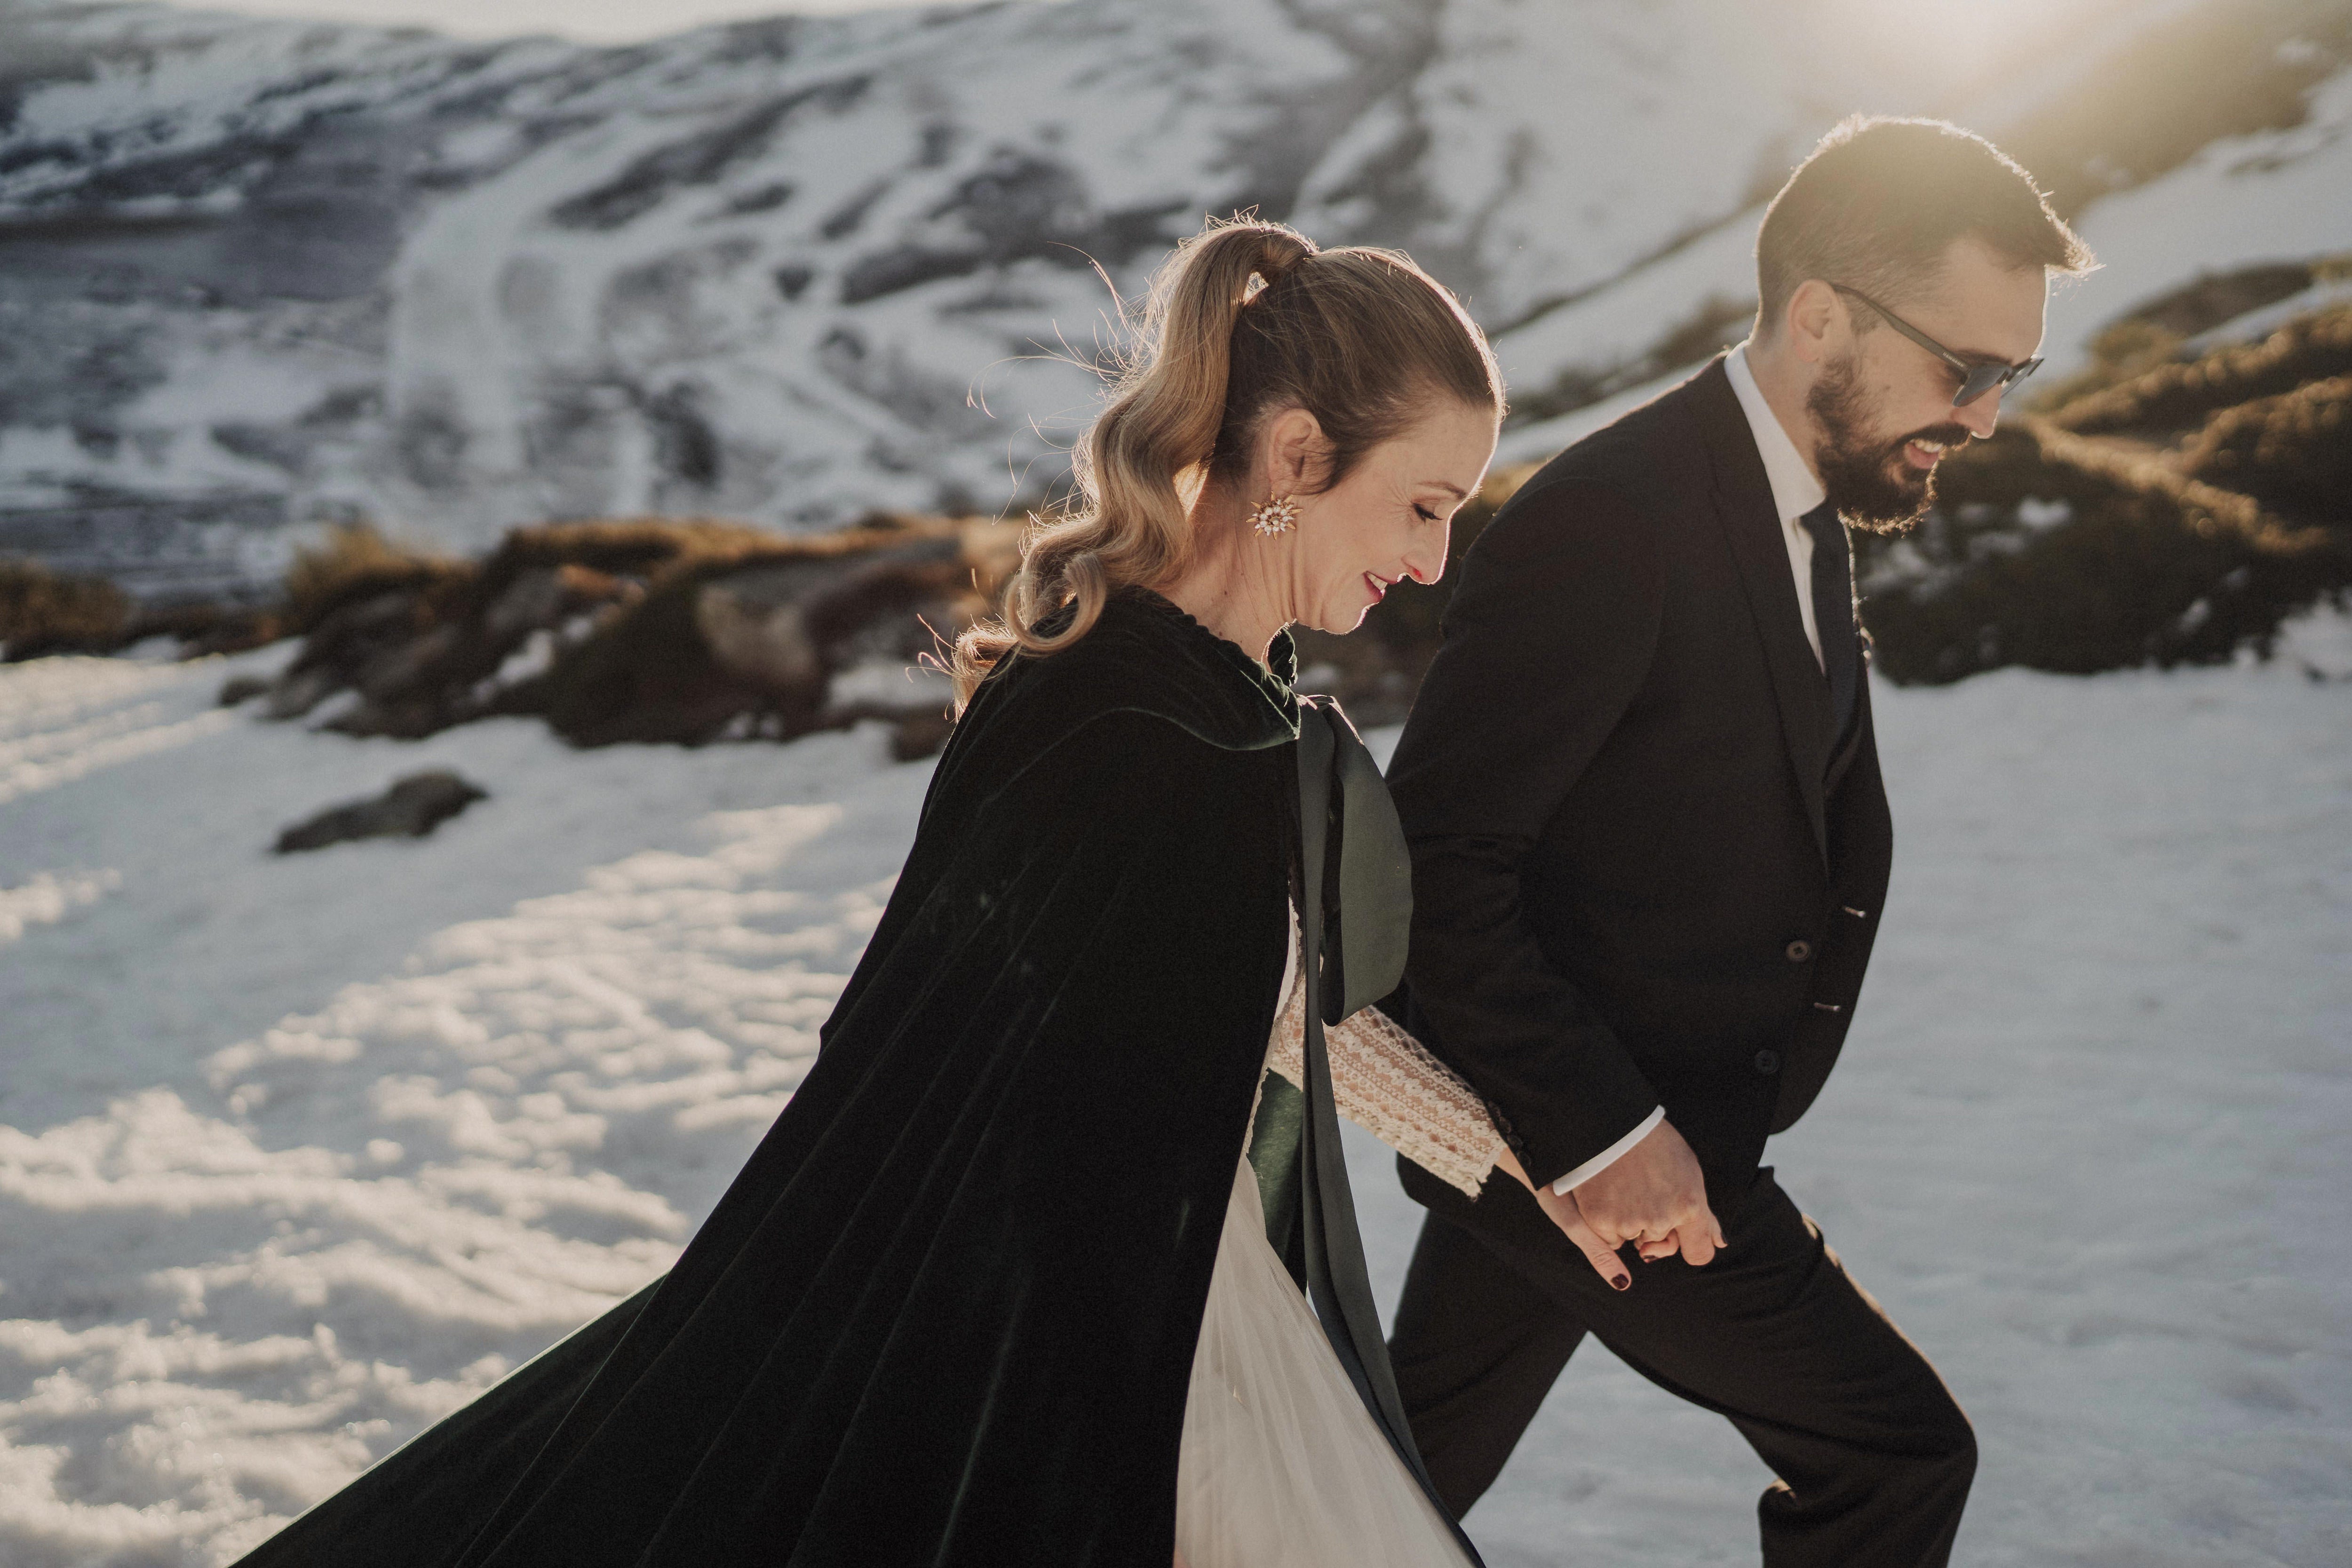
[1279, 515]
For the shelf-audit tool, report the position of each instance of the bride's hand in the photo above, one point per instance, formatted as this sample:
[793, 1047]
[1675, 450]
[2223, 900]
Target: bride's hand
[1561, 1207]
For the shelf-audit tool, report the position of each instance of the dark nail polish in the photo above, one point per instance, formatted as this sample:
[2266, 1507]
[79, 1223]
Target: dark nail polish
[1622, 1281]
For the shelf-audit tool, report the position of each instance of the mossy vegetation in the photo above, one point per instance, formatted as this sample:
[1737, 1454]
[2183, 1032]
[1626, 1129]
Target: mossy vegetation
[2157, 391]
[41, 611]
[350, 563]
[2292, 452]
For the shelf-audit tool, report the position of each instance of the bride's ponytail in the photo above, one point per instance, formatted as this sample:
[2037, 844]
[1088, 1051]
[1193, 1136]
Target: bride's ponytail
[1141, 463]
[1244, 316]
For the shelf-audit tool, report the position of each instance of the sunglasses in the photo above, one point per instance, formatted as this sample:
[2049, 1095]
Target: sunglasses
[1977, 377]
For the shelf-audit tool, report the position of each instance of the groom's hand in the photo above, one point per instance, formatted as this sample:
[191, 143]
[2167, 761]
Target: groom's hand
[1653, 1197]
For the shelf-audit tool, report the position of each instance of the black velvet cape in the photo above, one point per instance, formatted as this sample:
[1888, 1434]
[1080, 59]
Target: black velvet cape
[947, 1312]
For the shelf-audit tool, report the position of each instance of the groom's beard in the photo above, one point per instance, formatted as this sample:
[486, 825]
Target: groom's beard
[1868, 481]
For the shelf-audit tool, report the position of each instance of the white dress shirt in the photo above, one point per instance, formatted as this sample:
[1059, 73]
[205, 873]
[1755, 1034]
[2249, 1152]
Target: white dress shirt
[1795, 492]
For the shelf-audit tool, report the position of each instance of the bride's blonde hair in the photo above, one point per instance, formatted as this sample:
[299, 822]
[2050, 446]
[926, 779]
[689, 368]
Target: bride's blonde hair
[1246, 319]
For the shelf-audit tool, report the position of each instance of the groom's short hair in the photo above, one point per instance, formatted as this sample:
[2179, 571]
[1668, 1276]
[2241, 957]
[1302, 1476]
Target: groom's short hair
[1879, 201]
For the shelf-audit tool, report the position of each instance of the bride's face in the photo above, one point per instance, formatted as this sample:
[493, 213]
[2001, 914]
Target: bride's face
[1389, 518]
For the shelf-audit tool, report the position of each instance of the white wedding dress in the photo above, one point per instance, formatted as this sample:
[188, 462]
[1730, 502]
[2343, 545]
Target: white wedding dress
[1282, 1467]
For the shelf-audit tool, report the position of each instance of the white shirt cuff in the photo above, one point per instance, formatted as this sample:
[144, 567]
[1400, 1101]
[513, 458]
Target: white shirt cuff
[1609, 1156]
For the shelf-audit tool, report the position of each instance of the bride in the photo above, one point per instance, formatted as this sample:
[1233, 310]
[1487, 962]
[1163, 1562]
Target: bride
[997, 1287]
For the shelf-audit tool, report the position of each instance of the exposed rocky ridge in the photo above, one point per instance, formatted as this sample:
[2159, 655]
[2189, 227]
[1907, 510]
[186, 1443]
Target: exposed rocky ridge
[638, 631]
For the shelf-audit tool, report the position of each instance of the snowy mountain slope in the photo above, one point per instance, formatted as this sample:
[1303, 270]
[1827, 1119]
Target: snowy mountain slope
[2266, 195]
[257, 273]
[2272, 195]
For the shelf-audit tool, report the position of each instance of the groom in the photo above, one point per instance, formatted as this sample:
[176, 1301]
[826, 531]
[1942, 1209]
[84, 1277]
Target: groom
[1650, 843]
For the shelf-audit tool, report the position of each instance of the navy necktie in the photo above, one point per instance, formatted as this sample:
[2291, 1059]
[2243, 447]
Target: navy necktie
[1834, 617]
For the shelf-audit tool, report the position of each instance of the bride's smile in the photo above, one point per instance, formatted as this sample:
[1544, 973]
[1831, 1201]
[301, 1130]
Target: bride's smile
[1386, 521]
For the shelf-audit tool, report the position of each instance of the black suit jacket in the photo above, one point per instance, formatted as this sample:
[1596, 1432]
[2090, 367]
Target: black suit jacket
[1640, 877]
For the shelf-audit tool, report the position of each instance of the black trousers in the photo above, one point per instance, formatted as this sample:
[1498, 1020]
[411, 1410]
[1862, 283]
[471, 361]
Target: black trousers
[1873, 1457]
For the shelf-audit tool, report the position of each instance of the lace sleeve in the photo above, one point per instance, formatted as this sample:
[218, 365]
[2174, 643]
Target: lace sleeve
[1387, 1083]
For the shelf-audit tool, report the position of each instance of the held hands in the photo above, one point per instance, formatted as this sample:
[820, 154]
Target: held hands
[1561, 1208]
[1653, 1196]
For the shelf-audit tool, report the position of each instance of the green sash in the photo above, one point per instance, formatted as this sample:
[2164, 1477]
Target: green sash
[1355, 919]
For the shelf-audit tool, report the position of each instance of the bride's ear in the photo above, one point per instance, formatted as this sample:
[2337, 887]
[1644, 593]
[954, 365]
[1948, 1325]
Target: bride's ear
[1296, 452]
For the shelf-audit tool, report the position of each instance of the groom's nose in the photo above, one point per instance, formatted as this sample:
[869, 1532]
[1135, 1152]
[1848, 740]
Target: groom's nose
[1981, 415]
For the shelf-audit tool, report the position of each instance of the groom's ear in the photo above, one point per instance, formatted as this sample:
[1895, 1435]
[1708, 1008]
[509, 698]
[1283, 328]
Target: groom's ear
[1815, 321]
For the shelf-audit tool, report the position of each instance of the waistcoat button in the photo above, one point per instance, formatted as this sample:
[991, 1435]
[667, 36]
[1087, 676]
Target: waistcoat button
[1800, 950]
[1768, 1062]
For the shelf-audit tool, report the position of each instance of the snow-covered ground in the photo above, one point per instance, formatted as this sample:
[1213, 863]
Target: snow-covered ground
[297, 1152]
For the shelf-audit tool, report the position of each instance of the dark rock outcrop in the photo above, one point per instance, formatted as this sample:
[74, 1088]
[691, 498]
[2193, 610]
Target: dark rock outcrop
[753, 644]
[239, 689]
[678, 632]
[411, 809]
